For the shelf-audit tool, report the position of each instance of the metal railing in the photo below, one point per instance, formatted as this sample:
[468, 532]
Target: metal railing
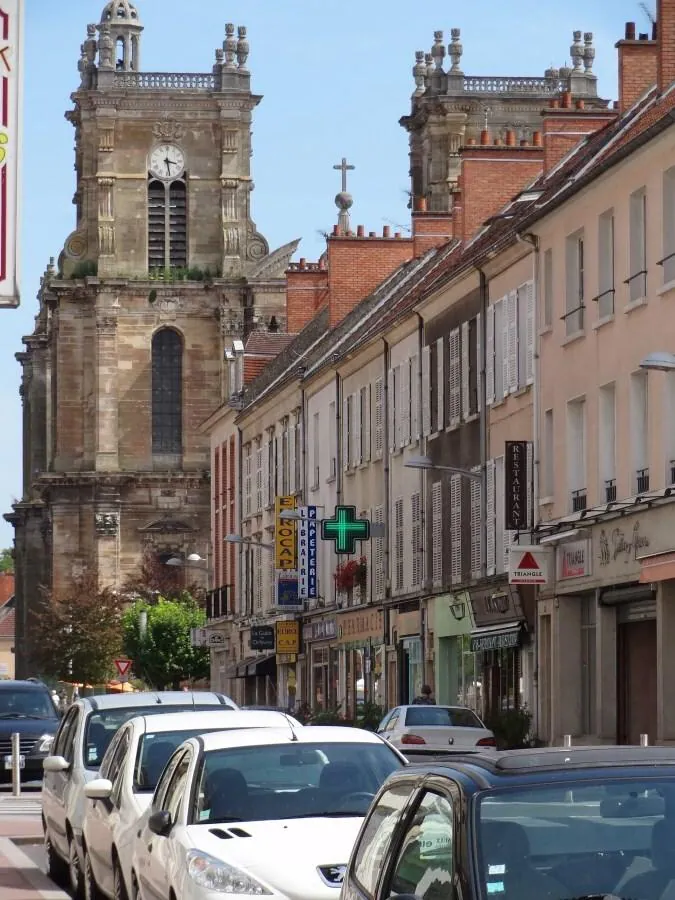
[167, 81]
[579, 500]
[610, 490]
[486, 84]
[642, 481]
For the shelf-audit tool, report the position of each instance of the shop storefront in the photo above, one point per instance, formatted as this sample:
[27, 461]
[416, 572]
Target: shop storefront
[457, 679]
[607, 628]
[408, 628]
[321, 670]
[496, 643]
[360, 638]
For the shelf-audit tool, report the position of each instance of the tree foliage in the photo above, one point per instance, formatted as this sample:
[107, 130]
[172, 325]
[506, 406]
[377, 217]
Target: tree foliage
[6, 560]
[77, 631]
[156, 579]
[162, 652]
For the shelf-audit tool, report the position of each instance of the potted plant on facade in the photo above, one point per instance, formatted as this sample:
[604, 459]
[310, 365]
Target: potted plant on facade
[351, 574]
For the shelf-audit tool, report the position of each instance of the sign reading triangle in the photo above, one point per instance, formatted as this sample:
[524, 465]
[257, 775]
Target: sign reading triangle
[527, 562]
[123, 667]
[528, 565]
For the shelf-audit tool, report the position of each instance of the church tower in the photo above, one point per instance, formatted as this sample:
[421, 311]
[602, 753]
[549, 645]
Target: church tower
[164, 268]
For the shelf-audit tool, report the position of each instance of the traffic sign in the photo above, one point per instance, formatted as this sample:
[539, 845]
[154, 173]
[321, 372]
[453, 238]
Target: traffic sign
[345, 529]
[123, 667]
[528, 565]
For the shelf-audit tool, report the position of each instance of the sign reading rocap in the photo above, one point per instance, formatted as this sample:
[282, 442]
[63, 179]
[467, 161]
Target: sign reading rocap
[285, 556]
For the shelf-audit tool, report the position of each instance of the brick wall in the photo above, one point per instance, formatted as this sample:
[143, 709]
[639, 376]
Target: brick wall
[564, 127]
[306, 290]
[430, 229]
[637, 66]
[665, 15]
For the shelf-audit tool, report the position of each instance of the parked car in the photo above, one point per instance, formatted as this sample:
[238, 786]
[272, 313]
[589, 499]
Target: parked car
[433, 728]
[26, 708]
[130, 770]
[86, 730]
[271, 811]
[553, 823]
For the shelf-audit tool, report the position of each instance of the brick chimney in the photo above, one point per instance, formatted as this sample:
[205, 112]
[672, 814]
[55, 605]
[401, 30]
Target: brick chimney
[638, 57]
[565, 124]
[492, 173]
[306, 290]
[665, 24]
[430, 229]
[358, 263]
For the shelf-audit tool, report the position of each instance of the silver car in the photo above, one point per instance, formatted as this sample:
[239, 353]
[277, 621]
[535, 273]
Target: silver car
[83, 737]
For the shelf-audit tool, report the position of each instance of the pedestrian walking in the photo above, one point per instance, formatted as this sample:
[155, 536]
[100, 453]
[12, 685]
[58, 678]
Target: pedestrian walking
[425, 698]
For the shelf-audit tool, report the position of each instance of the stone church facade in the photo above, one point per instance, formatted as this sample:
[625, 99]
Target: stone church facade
[164, 269]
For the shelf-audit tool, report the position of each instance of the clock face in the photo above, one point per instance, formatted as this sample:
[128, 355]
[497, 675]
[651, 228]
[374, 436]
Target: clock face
[167, 161]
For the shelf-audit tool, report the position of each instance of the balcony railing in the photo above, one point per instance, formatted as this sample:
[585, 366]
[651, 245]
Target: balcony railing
[642, 481]
[485, 84]
[579, 500]
[218, 602]
[167, 81]
[610, 490]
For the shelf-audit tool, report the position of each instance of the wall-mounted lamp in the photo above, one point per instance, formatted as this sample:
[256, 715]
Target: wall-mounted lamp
[458, 610]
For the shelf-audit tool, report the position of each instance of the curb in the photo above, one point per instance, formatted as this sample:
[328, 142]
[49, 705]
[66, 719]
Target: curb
[46, 890]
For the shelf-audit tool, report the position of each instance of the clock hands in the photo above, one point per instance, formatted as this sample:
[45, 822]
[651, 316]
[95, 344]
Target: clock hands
[168, 162]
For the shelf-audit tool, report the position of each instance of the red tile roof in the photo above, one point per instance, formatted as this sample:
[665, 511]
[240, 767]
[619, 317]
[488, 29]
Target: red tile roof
[267, 343]
[7, 618]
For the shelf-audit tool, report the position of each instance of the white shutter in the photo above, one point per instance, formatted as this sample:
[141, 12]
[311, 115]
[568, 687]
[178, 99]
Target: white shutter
[440, 387]
[509, 540]
[455, 379]
[456, 529]
[416, 539]
[399, 544]
[345, 434]
[506, 369]
[365, 441]
[258, 479]
[356, 429]
[480, 384]
[512, 326]
[404, 404]
[499, 514]
[378, 447]
[391, 409]
[292, 437]
[379, 555]
[529, 332]
[437, 534]
[476, 543]
[490, 501]
[266, 475]
[490, 356]
[414, 398]
[464, 377]
[426, 391]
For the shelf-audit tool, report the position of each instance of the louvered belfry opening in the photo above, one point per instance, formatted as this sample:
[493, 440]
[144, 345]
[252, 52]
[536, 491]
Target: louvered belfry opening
[167, 224]
[177, 225]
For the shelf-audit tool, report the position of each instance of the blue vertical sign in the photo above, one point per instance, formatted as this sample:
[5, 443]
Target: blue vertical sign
[308, 586]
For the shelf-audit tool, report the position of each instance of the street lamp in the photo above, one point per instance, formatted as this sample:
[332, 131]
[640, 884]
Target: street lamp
[423, 462]
[192, 558]
[659, 361]
[238, 539]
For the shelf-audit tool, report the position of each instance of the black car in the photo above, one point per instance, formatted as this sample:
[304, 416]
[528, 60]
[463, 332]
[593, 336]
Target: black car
[26, 708]
[549, 824]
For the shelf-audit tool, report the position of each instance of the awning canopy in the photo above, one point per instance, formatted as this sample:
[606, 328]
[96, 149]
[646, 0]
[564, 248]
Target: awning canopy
[659, 567]
[255, 665]
[497, 637]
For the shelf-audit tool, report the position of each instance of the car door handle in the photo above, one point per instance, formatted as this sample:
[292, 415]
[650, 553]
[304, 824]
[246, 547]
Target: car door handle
[149, 848]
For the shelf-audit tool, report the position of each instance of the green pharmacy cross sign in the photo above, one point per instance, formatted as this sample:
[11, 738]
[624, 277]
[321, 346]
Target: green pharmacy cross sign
[345, 529]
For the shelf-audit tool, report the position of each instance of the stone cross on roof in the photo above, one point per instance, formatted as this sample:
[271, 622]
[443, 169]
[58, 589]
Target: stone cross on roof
[344, 200]
[344, 167]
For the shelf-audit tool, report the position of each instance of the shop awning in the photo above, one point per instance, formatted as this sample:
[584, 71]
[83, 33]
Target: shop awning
[497, 637]
[659, 567]
[257, 665]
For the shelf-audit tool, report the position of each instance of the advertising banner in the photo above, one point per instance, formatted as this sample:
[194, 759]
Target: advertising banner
[307, 554]
[285, 555]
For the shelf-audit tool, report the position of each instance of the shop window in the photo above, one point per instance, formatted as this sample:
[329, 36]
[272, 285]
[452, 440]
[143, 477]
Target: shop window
[588, 680]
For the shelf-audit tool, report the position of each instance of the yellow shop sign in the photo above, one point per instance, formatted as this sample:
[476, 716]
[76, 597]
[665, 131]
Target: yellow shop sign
[285, 551]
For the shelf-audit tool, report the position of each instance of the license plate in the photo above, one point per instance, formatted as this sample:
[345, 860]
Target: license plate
[8, 762]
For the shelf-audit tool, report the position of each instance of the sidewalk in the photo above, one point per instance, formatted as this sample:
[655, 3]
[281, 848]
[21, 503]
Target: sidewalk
[20, 877]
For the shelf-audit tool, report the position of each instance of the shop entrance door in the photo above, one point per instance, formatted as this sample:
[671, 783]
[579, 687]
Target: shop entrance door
[636, 658]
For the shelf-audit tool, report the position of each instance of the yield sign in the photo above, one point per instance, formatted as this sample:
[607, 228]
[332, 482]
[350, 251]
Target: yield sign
[123, 667]
[528, 565]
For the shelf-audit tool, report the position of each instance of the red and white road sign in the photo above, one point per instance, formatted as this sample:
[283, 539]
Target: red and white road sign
[528, 565]
[123, 667]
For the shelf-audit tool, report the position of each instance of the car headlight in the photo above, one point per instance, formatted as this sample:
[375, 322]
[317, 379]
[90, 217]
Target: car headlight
[216, 875]
[44, 745]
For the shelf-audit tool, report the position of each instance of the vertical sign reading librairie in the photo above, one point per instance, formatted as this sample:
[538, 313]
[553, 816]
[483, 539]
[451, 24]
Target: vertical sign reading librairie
[11, 102]
[516, 513]
[285, 553]
[307, 546]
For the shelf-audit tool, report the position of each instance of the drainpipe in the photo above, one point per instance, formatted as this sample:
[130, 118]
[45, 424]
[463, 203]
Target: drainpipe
[338, 439]
[533, 241]
[386, 362]
[483, 419]
[424, 484]
[238, 506]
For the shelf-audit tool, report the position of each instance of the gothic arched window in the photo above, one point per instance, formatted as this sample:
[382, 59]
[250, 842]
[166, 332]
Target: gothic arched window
[167, 393]
[167, 224]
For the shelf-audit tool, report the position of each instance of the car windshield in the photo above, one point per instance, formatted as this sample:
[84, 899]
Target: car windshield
[451, 717]
[26, 705]
[290, 781]
[592, 838]
[102, 725]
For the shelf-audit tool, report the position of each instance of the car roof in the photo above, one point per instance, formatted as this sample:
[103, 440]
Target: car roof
[312, 734]
[159, 698]
[10, 685]
[210, 718]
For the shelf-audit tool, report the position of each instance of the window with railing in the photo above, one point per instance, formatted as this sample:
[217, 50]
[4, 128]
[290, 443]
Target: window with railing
[576, 453]
[605, 298]
[579, 500]
[637, 246]
[639, 427]
[610, 490]
[642, 480]
[574, 284]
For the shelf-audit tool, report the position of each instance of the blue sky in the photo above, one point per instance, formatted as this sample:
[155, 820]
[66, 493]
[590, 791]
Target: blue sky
[335, 76]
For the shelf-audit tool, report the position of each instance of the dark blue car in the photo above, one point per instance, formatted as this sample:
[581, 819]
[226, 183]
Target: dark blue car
[26, 708]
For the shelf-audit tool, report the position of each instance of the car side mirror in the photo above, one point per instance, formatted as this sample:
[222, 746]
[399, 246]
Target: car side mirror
[98, 789]
[160, 822]
[55, 764]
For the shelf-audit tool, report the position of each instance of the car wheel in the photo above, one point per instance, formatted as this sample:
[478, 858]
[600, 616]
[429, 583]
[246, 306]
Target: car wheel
[74, 872]
[119, 887]
[57, 869]
[91, 891]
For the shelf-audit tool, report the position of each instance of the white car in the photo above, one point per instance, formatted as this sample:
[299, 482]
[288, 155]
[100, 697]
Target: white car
[266, 812]
[426, 727]
[84, 734]
[129, 773]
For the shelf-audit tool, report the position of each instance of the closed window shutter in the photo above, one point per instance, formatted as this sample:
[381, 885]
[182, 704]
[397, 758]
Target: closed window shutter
[345, 433]
[414, 398]
[455, 379]
[490, 501]
[499, 514]
[440, 387]
[509, 541]
[512, 326]
[437, 534]
[399, 548]
[490, 356]
[266, 474]
[476, 542]
[292, 437]
[379, 556]
[426, 391]
[356, 429]
[247, 482]
[506, 368]
[258, 479]
[279, 443]
[456, 529]
[464, 378]
[529, 332]
[391, 411]
[404, 430]
[365, 440]
[479, 365]
[378, 447]
[416, 518]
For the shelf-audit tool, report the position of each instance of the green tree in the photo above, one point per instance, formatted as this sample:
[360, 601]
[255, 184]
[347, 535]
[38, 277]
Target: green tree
[162, 650]
[77, 632]
[6, 560]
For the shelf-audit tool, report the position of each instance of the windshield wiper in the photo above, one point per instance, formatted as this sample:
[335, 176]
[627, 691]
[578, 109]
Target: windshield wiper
[337, 814]
[19, 715]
